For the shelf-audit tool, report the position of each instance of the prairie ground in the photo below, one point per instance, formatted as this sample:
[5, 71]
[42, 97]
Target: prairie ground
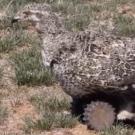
[31, 102]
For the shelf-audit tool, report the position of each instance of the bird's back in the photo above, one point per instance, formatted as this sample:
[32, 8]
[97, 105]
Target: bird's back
[95, 59]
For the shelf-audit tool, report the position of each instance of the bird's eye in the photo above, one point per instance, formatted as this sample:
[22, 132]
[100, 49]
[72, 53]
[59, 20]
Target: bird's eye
[39, 15]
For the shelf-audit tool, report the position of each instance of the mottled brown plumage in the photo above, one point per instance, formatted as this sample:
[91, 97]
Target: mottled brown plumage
[93, 59]
[86, 62]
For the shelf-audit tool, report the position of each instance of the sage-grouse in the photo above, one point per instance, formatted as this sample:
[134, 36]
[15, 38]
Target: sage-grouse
[94, 66]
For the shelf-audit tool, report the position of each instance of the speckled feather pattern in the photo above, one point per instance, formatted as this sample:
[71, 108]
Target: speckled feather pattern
[92, 60]
[84, 61]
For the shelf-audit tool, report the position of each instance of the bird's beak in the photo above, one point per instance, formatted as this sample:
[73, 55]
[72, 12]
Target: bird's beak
[15, 20]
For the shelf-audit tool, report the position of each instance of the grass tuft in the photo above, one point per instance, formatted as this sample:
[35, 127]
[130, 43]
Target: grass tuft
[118, 129]
[52, 104]
[1, 73]
[65, 121]
[44, 123]
[3, 114]
[5, 23]
[30, 70]
[125, 25]
[77, 14]
[13, 40]
[53, 114]
[50, 120]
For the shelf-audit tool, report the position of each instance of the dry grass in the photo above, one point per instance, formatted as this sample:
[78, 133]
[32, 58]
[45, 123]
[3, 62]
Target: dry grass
[14, 40]
[125, 25]
[118, 129]
[3, 114]
[1, 73]
[79, 14]
[53, 104]
[29, 69]
[50, 121]
[53, 114]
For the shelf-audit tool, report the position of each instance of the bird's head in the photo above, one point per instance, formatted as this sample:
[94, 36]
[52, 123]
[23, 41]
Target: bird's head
[40, 16]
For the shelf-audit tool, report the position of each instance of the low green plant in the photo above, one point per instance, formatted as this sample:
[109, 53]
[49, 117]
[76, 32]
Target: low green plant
[1, 73]
[16, 39]
[65, 121]
[30, 70]
[3, 114]
[10, 7]
[53, 114]
[7, 43]
[53, 104]
[78, 14]
[125, 25]
[50, 120]
[44, 123]
[118, 129]
[5, 23]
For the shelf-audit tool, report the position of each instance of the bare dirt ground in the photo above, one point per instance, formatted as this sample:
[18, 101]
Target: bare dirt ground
[17, 98]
